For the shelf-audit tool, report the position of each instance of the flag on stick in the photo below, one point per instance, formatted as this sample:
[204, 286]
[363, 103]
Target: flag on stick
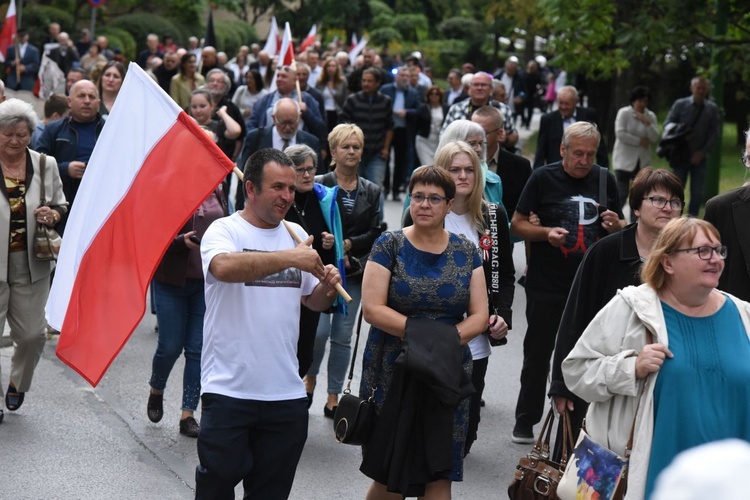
[356, 50]
[8, 34]
[210, 38]
[309, 39]
[286, 54]
[272, 43]
[151, 168]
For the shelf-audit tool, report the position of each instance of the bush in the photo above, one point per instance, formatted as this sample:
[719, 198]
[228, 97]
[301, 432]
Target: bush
[119, 38]
[382, 21]
[462, 28]
[440, 55]
[383, 36]
[413, 27]
[231, 35]
[140, 25]
[379, 8]
[36, 18]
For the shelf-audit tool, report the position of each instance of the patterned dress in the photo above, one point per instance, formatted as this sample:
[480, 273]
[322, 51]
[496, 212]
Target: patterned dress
[423, 285]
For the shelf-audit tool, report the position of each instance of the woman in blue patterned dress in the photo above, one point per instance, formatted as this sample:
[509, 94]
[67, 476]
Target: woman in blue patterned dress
[421, 271]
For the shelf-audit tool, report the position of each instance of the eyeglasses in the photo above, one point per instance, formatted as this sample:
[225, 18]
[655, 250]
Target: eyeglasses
[488, 132]
[419, 198]
[476, 144]
[305, 170]
[745, 160]
[705, 252]
[288, 123]
[660, 202]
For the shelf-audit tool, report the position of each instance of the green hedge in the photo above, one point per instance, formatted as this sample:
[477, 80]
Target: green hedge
[119, 38]
[36, 18]
[231, 35]
[140, 25]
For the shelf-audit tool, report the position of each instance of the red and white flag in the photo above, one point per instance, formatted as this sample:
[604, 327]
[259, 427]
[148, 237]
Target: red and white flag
[272, 42]
[309, 39]
[151, 168]
[357, 49]
[8, 34]
[286, 54]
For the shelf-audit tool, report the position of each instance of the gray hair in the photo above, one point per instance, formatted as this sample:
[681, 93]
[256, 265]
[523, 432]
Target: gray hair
[227, 81]
[15, 111]
[461, 130]
[2, 88]
[569, 89]
[303, 66]
[285, 100]
[581, 130]
[301, 152]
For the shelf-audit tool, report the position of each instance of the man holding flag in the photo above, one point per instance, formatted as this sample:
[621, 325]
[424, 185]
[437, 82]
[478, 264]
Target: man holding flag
[254, 420]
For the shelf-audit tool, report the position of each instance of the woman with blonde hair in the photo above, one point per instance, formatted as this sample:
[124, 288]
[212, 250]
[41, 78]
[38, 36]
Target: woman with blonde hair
[359, 204]
[675, 350]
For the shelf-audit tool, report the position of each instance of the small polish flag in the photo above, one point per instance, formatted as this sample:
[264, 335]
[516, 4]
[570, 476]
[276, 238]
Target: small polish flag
[286, 54]
[309, 39]
[8, 34]
[272, 42]
[356, 50]
[151, 168]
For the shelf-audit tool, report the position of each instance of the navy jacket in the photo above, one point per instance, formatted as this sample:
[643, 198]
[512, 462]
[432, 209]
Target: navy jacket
[411, 102]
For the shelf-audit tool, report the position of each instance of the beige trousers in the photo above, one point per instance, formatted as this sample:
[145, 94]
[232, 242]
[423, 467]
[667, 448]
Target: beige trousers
[22, 304]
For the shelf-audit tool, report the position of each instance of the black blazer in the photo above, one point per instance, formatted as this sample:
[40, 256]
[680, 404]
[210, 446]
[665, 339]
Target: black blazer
[362, 226]
[551, 133]
[730, 213]
[261, 138]
[514, 171]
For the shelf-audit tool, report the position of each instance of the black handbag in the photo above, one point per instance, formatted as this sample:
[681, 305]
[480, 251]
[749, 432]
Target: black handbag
[537, 475]
[355, 417]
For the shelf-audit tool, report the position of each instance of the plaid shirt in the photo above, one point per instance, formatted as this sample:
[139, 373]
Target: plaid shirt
[461, 111]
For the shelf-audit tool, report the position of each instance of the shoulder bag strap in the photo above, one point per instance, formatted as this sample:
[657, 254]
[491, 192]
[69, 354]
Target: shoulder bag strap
[629, 446]
[354, 355]
[42, 168]
[603, 187]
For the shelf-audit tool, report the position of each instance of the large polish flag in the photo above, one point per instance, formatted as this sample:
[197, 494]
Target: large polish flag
[357, 49]
[8, 34]
[286, 55]
[151, 168]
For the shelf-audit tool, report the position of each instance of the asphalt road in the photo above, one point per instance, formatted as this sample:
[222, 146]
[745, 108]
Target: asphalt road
[70, 441]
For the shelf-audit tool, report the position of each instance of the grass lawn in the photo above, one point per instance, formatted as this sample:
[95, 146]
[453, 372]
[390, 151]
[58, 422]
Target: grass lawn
[731, 175]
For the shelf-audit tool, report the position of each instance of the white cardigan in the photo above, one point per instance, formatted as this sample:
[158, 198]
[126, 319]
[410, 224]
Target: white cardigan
[628, 133]
[601, 370]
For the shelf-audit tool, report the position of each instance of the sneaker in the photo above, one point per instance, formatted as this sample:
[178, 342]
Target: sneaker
[522, 435]
[189, 427]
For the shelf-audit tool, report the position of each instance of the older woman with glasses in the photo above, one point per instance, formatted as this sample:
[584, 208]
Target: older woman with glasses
[421, 271]
[675, 358]
[314, 209]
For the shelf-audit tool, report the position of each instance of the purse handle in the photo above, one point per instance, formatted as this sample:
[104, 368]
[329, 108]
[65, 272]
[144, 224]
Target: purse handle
[542, 443]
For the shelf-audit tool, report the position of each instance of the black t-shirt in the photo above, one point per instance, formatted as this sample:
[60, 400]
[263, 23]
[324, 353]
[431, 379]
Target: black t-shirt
[563, 201]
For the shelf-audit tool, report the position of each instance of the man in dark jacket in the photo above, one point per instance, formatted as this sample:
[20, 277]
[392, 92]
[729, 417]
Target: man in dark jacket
[552, 125]
[71, 140]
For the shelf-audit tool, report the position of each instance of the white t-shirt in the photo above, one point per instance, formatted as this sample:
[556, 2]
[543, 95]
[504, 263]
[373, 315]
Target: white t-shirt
[461, 224]
[250, 330]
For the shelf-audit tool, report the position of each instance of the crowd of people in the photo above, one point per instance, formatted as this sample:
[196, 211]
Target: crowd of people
[247, 288]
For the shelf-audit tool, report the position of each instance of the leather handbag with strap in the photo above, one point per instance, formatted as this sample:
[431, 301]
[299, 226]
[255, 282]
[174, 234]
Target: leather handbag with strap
[355, 417]
[537, 475]
[47, 241]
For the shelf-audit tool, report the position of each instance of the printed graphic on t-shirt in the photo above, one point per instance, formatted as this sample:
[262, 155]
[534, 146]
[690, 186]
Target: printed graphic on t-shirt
[288, 278]
[580, 212]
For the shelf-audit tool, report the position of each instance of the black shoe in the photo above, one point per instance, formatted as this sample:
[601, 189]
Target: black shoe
[523, 434]
[13, 398]
[189, 427]
[482, 403]
[155, 407]
[329, 412]
[396, 197]
[2, 415]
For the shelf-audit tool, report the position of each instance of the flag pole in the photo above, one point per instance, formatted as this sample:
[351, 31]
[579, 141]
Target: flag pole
[297, 239]
[18, 61]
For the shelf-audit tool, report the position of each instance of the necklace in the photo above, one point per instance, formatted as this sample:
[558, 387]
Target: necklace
[17, 175]
[304, 206]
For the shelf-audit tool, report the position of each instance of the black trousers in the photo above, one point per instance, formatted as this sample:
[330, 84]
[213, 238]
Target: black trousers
[543, 313]
[478, 371]
[402, 163]
[256, 442]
